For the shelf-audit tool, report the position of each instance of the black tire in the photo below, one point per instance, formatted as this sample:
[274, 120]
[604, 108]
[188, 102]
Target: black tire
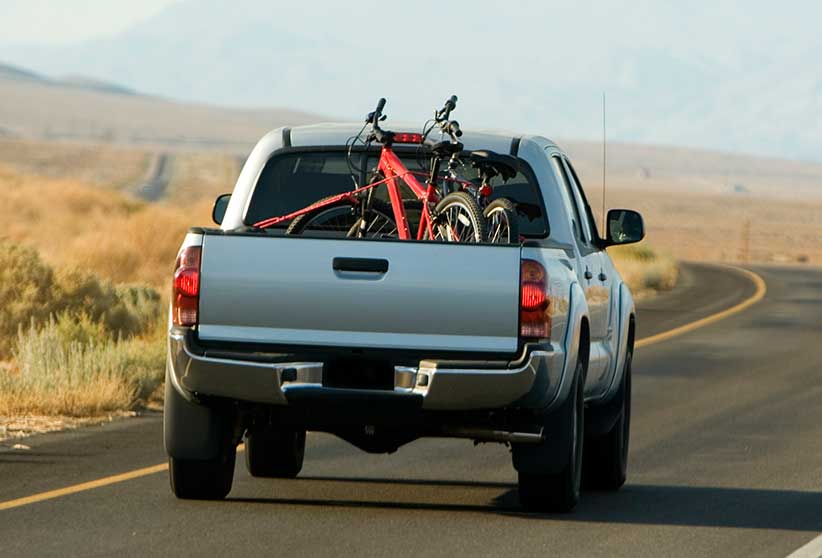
[605, 463]
[340, 219]
[379, 222]
[459, 219]
[559, 492]
[202, 480]
[503, 224]
[274, 453]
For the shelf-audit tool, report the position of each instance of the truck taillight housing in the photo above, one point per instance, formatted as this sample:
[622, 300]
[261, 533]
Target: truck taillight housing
[535, 304]
[185, 297]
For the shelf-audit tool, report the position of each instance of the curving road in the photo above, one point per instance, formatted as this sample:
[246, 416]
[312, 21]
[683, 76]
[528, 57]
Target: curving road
[154, 186]
[726, 460]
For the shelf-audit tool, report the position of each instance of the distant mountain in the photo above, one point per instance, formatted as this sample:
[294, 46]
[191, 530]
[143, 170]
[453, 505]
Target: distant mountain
[8, 72]
[15, 73]
[78, 108]
[681, 78]
[91, 84]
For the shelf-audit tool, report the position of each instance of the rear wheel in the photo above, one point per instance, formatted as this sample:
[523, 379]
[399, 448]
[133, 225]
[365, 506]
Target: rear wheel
[458, 219]
[203, 480]
[274, 453]
[503, 225]
[606, 456]
[559, 492]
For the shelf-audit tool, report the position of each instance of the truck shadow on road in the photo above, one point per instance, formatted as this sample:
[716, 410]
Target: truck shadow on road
[744, 508]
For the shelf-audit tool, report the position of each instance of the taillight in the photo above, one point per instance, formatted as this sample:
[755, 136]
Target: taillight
[535, 304]
[185, 298]
[407, 137]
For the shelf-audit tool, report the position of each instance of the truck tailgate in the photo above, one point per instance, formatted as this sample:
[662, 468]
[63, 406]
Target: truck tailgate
[382, 294]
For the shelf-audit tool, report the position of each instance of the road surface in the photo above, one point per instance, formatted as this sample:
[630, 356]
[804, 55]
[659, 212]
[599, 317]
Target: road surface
[154, 187]
[726, 460]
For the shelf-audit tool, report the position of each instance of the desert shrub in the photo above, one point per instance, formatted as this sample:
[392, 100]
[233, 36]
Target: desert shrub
[115, 237]
[31, 292]
[26, 291]
[125, 310]
[67, 367]
[645, 270]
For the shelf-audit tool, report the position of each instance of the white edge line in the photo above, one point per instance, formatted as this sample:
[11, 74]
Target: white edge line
[811, 550]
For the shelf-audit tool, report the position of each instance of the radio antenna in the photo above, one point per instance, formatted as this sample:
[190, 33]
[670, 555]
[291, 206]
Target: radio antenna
[604, 159]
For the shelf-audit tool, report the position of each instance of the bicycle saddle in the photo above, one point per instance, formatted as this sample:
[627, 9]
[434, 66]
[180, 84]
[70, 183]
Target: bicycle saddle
[504, 165]
[446, 148]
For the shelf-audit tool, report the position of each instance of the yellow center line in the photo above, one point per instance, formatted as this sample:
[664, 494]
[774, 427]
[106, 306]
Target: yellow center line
[82, 487]
[90, 485]
[758, 295]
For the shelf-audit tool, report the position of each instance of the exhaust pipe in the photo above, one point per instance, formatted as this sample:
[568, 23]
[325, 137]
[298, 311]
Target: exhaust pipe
[501, 436]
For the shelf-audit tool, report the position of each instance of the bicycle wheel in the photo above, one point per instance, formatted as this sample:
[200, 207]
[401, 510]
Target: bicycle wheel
[458, 219]
[503, 224]
[342, 219]
[378, 222]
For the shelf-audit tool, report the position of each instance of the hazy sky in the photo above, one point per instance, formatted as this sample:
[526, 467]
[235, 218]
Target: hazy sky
[65, 21]
[740, 75]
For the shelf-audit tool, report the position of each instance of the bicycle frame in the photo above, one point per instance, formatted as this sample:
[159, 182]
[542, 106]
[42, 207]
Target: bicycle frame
[393, 169]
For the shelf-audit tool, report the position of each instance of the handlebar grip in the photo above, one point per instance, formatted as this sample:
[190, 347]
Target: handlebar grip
[380, 106]
[454, 128]
[451, 103]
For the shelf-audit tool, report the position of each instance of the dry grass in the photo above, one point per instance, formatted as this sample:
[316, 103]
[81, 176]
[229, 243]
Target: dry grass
[727, 227]
[96, 165]
[60, 373]
[201, 177]
[645, 271]
[90, 342]
[75, 225]
[709, 206]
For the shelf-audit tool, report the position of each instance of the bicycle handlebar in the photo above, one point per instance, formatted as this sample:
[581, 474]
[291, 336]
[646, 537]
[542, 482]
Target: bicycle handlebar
[450, 127]
[374, 119]
[378, 111]
[443, 114]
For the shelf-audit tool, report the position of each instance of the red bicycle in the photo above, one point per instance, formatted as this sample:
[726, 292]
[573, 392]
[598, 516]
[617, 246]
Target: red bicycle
[454, 216]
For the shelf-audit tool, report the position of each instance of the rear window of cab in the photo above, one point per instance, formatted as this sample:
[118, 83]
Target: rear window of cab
[292, 181]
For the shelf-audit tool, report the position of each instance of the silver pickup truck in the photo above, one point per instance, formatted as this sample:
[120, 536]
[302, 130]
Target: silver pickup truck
[383, 341]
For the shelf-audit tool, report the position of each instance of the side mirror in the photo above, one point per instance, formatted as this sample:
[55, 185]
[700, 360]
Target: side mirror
[220, 205]
[624, 227]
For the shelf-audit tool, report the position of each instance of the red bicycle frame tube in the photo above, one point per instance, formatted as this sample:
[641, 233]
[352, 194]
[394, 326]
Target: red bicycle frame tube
[393, 168]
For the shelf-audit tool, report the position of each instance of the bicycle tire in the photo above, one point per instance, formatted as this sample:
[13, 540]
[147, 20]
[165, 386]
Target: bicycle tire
[503, 223]
[337, 219]
[457, 214]
[380, 222]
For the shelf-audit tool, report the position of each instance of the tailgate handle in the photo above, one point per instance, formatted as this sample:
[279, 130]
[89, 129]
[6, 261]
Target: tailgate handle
[368, 265]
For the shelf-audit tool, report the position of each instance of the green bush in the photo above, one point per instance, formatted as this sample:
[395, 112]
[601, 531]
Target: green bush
[31, 292]
[26, 292]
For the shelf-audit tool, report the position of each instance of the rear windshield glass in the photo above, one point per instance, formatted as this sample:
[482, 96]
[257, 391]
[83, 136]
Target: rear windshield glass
[293, 181]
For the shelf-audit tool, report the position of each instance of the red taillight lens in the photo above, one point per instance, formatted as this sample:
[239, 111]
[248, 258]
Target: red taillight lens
[185, 299]
[535, 304]
[187, 281]
[407, 137]
[533, 296]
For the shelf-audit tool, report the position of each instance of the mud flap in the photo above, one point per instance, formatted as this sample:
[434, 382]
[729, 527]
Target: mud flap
[191, 431]
[551, 456]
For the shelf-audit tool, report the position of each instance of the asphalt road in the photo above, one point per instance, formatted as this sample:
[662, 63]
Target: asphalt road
[156, 183]
[726, 460]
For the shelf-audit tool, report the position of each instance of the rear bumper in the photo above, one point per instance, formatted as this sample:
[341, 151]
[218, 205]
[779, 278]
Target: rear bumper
[531, 382]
